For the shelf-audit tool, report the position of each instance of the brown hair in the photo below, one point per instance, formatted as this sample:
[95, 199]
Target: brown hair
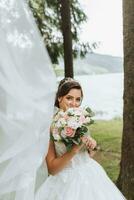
[65, 86]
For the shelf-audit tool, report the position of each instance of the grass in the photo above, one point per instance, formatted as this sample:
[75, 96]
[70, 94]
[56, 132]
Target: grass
[108, 136]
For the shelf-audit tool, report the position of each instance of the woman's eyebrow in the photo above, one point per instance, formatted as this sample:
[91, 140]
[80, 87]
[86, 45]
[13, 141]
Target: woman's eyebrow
[73, 96]
[69, 95]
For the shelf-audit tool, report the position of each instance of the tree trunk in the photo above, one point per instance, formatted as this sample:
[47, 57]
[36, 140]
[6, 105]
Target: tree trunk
[126, 176]
[67, 37]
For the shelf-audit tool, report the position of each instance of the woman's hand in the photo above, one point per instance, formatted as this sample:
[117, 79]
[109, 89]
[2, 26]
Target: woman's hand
[76, 148]
[89, 142]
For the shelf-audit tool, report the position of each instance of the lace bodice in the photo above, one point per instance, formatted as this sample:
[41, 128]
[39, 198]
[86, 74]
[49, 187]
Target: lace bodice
[78, 160]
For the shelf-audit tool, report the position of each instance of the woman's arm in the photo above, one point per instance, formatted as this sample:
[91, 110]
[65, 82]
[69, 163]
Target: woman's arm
[56, 164]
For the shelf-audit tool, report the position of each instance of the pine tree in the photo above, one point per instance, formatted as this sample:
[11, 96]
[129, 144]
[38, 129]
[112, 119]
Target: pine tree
[48, 17]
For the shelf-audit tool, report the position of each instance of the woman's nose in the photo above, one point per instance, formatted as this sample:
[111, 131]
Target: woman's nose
[73, 103]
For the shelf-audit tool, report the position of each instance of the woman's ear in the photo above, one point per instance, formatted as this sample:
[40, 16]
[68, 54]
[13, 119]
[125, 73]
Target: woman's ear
[59, 99]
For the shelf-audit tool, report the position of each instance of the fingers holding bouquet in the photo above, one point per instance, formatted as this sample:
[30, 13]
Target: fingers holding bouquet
[89, 142]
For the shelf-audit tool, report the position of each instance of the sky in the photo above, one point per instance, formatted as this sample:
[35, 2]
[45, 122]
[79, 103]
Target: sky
[104, 25]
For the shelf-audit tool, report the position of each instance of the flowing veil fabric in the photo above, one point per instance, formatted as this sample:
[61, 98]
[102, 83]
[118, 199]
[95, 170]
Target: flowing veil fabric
[27, 89]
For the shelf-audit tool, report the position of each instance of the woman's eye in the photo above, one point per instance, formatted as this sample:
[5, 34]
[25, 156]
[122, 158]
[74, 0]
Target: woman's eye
[69, 98]
[78, 100]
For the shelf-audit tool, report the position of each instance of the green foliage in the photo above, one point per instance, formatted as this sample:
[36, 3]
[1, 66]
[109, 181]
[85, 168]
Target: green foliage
[48, 18]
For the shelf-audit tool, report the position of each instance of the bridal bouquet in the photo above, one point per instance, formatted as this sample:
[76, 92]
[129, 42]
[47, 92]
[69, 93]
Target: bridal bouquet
[71, 125]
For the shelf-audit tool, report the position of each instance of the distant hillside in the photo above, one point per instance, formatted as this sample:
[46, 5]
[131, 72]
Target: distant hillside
[94, 64]
[98, 64]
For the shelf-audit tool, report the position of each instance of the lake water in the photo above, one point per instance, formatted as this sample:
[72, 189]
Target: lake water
[103, 94]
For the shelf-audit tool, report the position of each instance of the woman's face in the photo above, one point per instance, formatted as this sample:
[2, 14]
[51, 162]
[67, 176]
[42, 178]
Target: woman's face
[72, 99]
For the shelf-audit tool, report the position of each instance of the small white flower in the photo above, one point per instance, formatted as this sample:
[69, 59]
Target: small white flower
[85, 113]
[87, 120]
[61, 122]
[73, 123]
[70, 111]
[63, 134]
[57, 137]
[61, 113]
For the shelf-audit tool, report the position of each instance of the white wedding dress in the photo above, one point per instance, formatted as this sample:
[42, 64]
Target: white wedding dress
[26, 109]
[82, 179]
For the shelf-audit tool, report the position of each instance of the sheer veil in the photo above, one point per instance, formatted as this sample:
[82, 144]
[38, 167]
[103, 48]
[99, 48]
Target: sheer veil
[27, 89]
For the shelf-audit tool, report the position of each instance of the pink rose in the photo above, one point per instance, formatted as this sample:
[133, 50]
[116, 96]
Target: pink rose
[69, 132]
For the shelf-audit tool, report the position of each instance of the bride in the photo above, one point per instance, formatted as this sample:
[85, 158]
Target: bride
[26, 108]
[74, 175]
